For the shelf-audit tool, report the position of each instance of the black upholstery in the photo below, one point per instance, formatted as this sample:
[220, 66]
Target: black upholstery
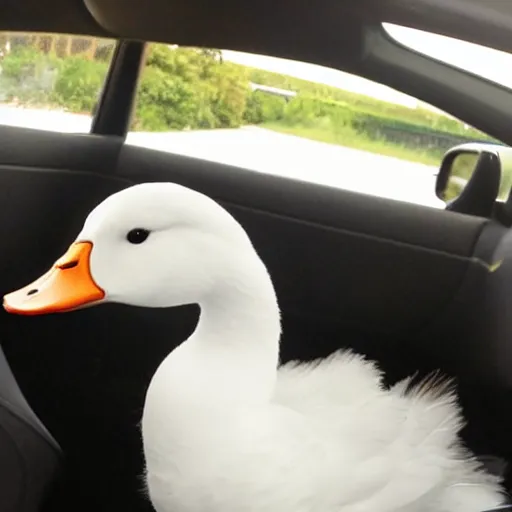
[408, 286]
[29, 456]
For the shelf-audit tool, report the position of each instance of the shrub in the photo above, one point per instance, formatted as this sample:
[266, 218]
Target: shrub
[79, 83]
[363, 105]
[263, 107]
[21, 63]
[165, 102]
[29, 75]
[189, 88]
[310, 111]
[227, 93]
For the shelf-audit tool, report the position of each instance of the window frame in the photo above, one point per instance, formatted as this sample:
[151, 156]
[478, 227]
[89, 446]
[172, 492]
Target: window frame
[113, 110]
[471, 99]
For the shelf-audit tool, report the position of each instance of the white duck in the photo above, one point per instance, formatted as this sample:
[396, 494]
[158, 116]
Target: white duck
[225, 430]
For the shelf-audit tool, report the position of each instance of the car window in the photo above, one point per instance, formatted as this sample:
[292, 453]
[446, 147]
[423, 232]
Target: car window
[488, 63]
[51, 81]
[293, 119]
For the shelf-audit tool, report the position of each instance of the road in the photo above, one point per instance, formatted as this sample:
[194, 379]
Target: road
[297, 158]
[267, 152]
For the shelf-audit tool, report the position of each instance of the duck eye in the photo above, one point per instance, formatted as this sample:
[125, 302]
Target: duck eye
[137, 235]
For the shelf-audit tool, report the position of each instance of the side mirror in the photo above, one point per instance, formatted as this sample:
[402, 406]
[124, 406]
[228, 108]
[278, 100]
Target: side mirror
[473, 176]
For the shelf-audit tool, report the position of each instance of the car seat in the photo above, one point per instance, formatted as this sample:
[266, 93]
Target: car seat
[29, 456]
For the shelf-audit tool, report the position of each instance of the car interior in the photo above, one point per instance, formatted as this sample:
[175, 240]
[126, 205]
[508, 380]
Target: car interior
[415, 288]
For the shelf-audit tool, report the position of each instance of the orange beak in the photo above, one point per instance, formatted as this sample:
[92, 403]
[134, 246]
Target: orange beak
[68, 285]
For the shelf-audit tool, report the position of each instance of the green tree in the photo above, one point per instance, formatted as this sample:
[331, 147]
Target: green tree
[189, 88]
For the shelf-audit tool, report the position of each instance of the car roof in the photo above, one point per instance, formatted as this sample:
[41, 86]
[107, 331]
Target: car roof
[262, 26]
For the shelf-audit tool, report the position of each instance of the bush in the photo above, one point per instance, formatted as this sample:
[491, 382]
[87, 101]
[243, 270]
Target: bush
[227, 89]
[189, 88]
[21, 64]
[165, 102]
[308, 111]
[303, 111]
[36, 77]
[263, 107]
[345, 122]
[29, 75]
[364, 105]
[79, 83]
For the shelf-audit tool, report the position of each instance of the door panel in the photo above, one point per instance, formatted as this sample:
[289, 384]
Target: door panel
[390, 279]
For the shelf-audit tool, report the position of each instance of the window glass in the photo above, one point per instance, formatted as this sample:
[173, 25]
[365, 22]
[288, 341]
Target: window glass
[480, 60]
[51, 81]
[293, 119]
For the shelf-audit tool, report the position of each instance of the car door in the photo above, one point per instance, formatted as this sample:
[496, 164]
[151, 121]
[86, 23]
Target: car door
[406, 284]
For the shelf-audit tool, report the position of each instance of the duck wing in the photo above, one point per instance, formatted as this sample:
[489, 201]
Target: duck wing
[324, 385]
[405, 439]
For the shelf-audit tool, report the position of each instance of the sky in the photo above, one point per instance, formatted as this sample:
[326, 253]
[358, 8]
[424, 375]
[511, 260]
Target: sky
[491, 64]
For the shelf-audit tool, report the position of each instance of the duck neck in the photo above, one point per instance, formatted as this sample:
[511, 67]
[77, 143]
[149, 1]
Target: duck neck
[233, 353]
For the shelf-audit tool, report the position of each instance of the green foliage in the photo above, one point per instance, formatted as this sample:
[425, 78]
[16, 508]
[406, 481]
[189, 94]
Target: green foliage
[342, 122]
[165, 102]
[35, 77]
[22, 63]
[262, 107]
[365, 105]
[464, 165]
[309, 111]
[189, 88]
[28, 75]
[452, 191]
[228, 88]
[462, 168]
[79, 83]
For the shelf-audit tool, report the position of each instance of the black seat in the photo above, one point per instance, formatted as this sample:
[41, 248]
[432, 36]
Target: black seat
[29, 456]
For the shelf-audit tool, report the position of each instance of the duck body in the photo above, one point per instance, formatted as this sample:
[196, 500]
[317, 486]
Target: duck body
[224, 427]
[369, 449]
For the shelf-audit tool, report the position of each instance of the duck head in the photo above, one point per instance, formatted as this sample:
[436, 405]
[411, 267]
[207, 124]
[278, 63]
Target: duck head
[150, 245]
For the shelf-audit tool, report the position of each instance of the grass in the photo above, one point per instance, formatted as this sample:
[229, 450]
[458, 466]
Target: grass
[355, 140]
[418, 116]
